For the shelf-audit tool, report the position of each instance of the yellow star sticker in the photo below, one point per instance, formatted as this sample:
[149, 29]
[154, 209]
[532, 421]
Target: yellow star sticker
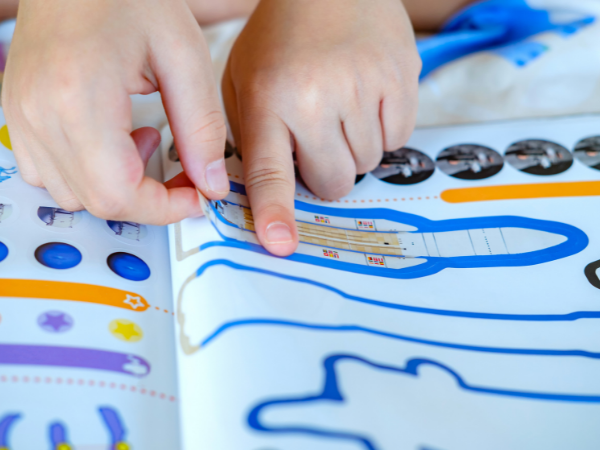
[125, 330]
[63, 446]
[5, 140]
[122, 446]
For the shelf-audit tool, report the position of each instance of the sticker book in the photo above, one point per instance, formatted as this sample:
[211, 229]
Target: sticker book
[450, 302]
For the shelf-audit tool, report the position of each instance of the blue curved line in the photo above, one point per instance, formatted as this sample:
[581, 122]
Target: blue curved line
[113, 423]
[576, 241]
[332, 393]
[439, 312]
[5, 426]
[58, 434]
[357, 328]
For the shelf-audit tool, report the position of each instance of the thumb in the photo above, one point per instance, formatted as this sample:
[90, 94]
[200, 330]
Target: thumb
[191, 100]
[270, 181]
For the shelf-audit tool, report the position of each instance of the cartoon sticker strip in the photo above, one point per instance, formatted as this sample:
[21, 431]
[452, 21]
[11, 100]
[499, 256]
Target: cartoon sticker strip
[390, 243]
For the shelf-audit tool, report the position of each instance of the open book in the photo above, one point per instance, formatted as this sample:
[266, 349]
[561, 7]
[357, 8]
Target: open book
[450, 302]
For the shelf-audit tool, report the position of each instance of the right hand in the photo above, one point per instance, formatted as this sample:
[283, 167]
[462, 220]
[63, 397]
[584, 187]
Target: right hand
[70, 71]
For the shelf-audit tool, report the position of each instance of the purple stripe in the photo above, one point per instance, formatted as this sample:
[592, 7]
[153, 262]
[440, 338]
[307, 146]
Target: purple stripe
[83, 358]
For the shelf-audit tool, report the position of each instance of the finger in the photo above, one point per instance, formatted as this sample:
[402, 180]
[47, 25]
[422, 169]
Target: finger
[269, 178]
[26, 166]
[194, 110]
[231, 106]
[324, 158]
[363, 132]
[53, 180]
[105, 167]
[398, 117]
[180, 180]
[147, 140]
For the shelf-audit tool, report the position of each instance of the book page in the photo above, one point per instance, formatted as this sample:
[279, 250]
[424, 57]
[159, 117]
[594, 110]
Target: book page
[451, 301]
[86, 326]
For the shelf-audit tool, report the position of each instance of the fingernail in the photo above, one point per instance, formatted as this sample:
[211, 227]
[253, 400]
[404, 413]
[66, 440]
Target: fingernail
[279, 233]
[216, 177]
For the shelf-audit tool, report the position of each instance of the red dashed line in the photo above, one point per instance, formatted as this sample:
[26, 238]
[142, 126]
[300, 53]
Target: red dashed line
[371, 200]
[166, 311]
[90, 383]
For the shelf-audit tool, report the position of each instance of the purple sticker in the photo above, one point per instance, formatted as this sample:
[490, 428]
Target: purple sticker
[55, 322]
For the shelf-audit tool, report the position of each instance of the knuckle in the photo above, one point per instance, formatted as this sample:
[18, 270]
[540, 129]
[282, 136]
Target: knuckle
[28, 113]
[398, 138]
[268, 88]
[208, 129]
[337, 186]
[8, 101]
[70, 204]
[162, 221]
[32, 178]
[368, 162]
[108, 206]
[267, 172]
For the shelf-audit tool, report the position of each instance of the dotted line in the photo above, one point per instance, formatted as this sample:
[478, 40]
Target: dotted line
[377, 200]
[89, 383]
[166, 311]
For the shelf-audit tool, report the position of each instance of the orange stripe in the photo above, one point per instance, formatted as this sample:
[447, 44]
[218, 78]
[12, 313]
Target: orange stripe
[522, 191]
[76, 292]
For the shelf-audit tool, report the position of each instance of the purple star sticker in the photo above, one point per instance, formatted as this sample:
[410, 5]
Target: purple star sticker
[55, 322]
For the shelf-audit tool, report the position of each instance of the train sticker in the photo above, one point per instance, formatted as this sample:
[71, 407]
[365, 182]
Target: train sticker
[395, 244]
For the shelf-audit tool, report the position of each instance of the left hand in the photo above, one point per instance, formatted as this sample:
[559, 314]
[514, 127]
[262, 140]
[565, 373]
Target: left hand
[336, 81]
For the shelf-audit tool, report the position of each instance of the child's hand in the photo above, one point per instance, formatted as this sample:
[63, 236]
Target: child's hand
[338, 80]
[71, 68]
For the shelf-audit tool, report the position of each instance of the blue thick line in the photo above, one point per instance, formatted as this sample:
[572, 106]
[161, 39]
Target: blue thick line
[576, 240]
[439, 312]
[357, 328]
[6, 424]
[331, 392]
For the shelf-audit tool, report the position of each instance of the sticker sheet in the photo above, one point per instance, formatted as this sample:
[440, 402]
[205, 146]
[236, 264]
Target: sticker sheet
[86, 326]
[451, 301]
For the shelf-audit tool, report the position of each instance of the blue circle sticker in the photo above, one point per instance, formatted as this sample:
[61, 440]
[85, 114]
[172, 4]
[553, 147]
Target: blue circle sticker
[3, 251]
[128, 266]
[58, 255]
